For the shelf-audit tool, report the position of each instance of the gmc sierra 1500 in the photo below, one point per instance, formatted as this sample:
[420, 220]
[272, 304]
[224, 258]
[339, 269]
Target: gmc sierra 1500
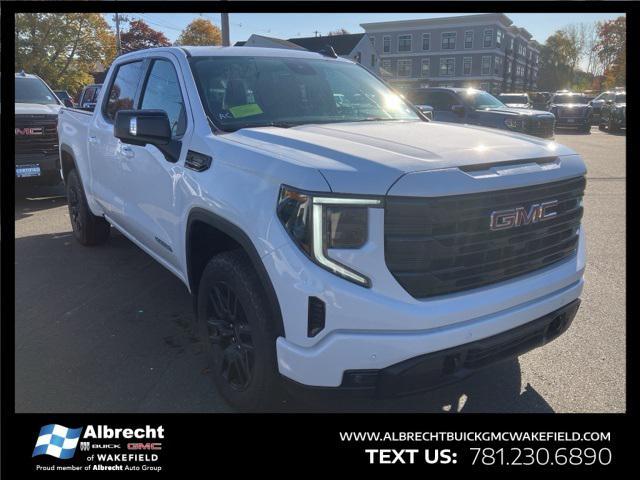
[329, 233]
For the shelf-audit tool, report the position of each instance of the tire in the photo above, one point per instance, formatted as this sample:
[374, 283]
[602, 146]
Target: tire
[88, 229]
[612, 126]
[601, 127]
[238, 333]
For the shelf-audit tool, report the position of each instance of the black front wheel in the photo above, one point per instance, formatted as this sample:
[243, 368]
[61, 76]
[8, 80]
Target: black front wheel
[239, 335]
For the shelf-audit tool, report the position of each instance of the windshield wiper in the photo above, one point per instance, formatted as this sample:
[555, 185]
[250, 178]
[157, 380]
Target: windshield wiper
[269, 124]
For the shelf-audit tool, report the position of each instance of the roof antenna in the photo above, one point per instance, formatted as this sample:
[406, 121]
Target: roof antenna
[328, 51]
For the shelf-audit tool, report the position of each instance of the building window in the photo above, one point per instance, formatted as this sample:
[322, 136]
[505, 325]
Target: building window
[373, 60]
[404, 43]
[386, 44]
[426, 41]
[485, 66]
[447, 67]
[373, 41]
[425, 65]
[498, 38]
[386, 68]
[468, 39]
[466, 65]
[404, 67]
[448, 41]
[497, 66]
[487, 39]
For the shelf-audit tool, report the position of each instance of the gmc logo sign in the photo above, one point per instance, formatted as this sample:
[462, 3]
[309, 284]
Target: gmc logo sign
[144, 446]
[29, 131]
[518, 216]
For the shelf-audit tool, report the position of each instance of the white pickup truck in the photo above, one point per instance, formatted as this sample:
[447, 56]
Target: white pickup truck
[331, 235]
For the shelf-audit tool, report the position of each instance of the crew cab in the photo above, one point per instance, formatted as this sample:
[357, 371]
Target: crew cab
[331, 235]
[36, 138]
[477, 107]
[613, 114]
[571, 110]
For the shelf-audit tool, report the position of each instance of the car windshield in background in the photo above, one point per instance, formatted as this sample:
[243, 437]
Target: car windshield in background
[569, 99]
[241, 92]
[33, 90]
[513, 99]
[480, 100]
[621, 98]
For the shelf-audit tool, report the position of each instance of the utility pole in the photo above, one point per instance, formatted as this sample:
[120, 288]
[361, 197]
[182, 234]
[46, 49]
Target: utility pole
[225, 29]
[118, 44]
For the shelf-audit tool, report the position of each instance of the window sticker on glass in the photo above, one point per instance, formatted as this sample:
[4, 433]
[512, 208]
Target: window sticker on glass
[247, 110]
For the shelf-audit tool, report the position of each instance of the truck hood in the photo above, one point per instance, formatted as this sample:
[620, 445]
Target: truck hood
[368, 157]
[36, 109]
[515, 111]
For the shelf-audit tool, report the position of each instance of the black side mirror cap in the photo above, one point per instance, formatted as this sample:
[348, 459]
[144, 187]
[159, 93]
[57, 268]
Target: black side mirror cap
[143, 127]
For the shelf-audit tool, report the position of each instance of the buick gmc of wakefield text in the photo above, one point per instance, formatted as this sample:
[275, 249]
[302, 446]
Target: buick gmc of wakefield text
[330, 234]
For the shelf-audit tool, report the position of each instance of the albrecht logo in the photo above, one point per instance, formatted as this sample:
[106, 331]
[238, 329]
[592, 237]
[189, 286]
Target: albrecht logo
[57, 441]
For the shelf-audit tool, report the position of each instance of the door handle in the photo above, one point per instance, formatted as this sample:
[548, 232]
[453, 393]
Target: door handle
[93, 139]
[128, 152]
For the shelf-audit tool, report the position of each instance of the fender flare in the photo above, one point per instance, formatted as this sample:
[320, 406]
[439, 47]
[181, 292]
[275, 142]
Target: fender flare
[237, 234]
[64, 148]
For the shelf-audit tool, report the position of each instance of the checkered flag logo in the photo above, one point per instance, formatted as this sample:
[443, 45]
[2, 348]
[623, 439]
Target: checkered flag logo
[57, 441]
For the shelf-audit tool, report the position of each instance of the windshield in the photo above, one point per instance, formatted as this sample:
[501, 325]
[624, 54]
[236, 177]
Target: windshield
[569, 99]
[513, 98]
[240, 92]
[480, 100]
[621, 98]
[33, 90]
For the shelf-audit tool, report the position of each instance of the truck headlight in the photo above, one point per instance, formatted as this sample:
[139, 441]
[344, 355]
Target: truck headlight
[319, 222]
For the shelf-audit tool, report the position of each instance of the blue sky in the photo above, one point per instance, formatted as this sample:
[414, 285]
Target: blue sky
[287, 25]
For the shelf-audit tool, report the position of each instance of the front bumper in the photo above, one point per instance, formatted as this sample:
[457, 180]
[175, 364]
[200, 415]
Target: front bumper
[572, 122]
[49, 164]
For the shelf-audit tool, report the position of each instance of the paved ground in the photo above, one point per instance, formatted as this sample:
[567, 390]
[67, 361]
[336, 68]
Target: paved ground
[106, 329]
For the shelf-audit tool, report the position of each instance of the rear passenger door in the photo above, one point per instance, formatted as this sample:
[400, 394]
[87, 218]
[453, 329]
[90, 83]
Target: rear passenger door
[104, 148]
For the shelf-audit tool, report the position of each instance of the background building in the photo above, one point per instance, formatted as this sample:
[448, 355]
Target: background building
[485, 51]
[353, 46]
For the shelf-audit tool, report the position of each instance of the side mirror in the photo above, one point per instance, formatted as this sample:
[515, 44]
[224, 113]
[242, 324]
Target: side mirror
[458, 109]
[427, 110]
[143, 127]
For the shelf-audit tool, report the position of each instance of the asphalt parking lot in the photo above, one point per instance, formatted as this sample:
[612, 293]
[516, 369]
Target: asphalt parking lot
[107, 329]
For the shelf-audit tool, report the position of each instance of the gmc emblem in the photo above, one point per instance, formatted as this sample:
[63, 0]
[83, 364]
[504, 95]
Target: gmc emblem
[29, 131]
[516, 217]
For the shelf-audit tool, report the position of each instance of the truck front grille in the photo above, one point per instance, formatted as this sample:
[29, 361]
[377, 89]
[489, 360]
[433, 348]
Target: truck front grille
[541, 127]
[441, 245]
[36, 134]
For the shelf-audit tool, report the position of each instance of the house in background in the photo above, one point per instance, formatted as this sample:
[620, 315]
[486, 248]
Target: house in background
[353, 46]
[485, 51]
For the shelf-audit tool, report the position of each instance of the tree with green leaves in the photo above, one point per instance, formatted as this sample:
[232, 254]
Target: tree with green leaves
[63, 48]
[200, 32]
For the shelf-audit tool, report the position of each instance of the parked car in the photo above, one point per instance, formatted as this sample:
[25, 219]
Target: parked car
[613, 115]
[515, 100]
[88, 96]
[36, 137]
[326, 246]
[66, 99]
[540, 100]
[477, 107]
[571, 110]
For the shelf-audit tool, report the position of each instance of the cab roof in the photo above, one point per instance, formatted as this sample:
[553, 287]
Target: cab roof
[212, 51]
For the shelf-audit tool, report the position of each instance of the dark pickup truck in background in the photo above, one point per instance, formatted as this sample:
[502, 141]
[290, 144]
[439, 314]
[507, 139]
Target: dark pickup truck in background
[36, 136]
[572, 110]
[477, 107]
[613, 114]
